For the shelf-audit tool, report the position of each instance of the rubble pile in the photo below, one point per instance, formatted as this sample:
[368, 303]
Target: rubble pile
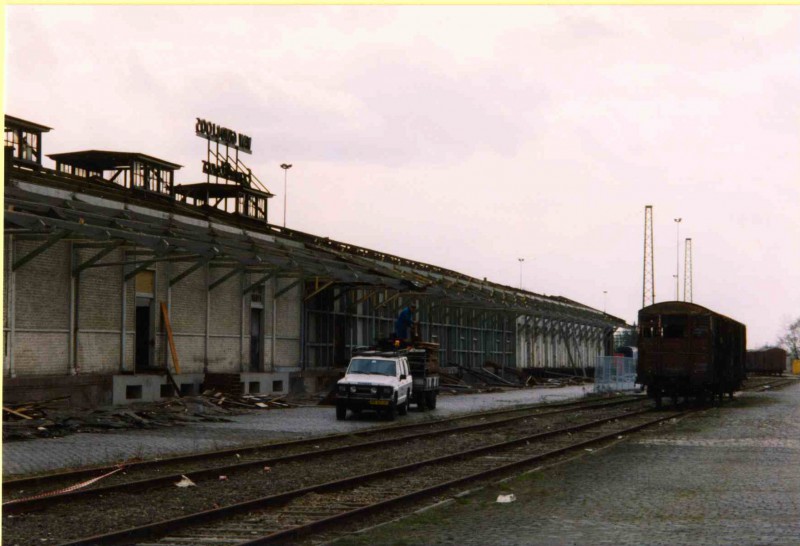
[50, 419]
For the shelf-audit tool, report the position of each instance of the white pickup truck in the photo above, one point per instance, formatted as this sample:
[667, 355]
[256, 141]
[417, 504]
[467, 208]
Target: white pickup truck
[375, 381]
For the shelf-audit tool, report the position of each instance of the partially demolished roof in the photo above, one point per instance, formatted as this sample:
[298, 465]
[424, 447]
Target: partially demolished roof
[64, 206]
[102, 160]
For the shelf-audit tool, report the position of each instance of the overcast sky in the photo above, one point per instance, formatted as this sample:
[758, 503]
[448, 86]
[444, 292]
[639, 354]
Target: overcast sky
[467, 137]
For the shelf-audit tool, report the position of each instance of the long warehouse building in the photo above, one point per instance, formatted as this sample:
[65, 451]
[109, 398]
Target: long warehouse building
[114, 275]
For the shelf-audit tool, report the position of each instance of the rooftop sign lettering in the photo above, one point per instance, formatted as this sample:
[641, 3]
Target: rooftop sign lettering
[222, 135]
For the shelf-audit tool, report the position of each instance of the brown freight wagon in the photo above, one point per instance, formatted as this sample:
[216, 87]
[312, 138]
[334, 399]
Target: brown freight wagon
[688, 350]
[766, 361]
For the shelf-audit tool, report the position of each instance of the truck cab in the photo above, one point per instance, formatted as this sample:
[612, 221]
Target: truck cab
[375, 381]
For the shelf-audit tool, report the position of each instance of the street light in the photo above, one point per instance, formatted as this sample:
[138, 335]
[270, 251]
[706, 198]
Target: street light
[520, 271]
[604, 300]
[285, 167]
[677, 258]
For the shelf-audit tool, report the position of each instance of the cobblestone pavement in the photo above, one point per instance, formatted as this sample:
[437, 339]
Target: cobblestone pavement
[726, 476]
[85, 449]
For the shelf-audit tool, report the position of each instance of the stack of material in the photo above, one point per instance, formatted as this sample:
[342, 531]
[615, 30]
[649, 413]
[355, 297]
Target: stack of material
[432, 354]
[424, 356]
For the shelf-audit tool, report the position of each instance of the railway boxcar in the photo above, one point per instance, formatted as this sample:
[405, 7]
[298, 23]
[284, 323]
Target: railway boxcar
[766, 361]
[688, 350]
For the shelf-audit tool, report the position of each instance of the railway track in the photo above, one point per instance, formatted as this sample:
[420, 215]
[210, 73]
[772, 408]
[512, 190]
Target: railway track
[464, 449]
[763, 383]
[292, 514]
[39, 491]
[157, 498]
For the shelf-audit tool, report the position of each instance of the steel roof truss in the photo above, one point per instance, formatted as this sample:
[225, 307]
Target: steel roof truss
[179, 277]
[261, 281]
[285, 289]
[50, 241]
[97, 257]
[318, 290]
[224, 278]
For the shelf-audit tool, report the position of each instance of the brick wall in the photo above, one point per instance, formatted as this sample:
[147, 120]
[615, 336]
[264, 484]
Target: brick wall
[42, 310]
[224, 347]
[99, 314]
[41, 353]
[43, 287]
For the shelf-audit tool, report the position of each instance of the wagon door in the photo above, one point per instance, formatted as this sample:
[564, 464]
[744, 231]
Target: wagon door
[700, 350]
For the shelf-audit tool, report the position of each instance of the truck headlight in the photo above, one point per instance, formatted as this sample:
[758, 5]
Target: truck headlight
[343, 389]
[353, 389]
[387, 391]
[374, 390]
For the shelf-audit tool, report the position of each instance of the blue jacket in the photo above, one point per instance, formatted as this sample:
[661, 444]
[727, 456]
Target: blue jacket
[404, 321]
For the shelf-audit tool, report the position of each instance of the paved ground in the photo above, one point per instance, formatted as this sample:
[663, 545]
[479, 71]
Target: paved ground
[40, 455]
[727, 476]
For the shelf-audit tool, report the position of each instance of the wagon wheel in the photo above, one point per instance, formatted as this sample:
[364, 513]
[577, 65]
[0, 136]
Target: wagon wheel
[658, 397]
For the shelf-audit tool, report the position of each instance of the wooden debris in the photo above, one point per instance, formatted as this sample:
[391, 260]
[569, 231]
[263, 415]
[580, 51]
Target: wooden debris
[17, 413]
[36, 420]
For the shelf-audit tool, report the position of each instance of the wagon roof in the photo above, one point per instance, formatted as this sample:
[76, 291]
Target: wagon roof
[681, 307]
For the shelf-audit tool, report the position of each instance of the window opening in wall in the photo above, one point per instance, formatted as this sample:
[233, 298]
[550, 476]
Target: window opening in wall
[674, 326]
[256, 339]
[254, 387]
[133, 392]
[145, 342]
[167, 391]
[145, 321]
[187, 389]
[277, 386]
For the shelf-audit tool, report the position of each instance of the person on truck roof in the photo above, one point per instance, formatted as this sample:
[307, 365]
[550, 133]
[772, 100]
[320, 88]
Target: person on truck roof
[402, 326]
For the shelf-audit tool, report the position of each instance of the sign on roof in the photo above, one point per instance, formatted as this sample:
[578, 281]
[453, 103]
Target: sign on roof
[222, 135]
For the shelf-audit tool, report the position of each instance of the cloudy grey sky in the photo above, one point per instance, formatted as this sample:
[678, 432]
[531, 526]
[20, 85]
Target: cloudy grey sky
[467, 137]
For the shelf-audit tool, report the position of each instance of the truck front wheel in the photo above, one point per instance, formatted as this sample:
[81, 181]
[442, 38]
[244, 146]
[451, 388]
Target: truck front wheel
[341, 412]
[403, 409]
[391, 411]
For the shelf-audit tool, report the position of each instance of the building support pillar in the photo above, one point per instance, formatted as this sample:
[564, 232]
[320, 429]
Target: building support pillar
[12, 315]
[123, 315]
[74, 286]
[207, 270]
[242, 299]
[275, 322]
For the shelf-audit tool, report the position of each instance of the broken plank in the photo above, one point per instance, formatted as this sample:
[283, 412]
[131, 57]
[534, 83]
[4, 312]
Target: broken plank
[17, 413]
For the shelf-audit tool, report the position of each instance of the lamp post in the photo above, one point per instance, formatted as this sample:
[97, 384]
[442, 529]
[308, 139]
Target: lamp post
[285, 167]
[520, 271]
[677, 258]
[604, 301]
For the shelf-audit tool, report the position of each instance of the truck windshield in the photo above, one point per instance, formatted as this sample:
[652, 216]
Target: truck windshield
[372, 365]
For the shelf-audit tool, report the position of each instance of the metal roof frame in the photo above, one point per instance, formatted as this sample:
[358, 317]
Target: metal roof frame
[128, 221]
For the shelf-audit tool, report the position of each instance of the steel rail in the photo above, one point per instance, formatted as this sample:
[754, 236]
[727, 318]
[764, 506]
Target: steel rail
[38, 502]
[130, 535]
[771, 385]
[318, 525]
[92, 471]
